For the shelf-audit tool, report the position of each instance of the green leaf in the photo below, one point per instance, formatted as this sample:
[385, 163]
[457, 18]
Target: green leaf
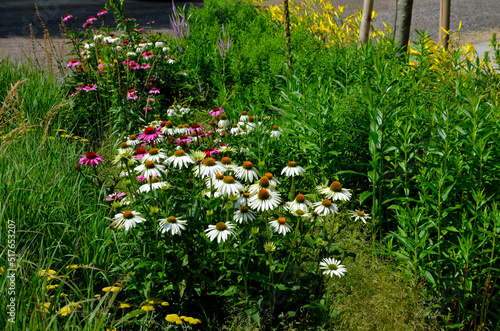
[232, 290]
[365, 195]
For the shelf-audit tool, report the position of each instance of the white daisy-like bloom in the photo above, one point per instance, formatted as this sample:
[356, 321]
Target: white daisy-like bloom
[247, 172]
[316, 217]
[275, 132]
[214, 182]
[230, 186]
[223, 121]
[171, 60]
[180, 159]
[226, 162]
[172, 225]
[244, 149]
[209, 168]
[244, 214]
[211, 194]
[154, 183]
[235, 129]
[263, 183]
[299, 202]
[243, 117]
[131, 54]
[124, 148]
[133, 141]
[281, 226]
[159, 44]
[197, 156]
[264, 200]
[332, 267]
[166, 49]
[184, 109]
[155, 124]
[226, 148]
[292, 169]
[154, 154]
[167, 128]
[325, 207]
[272, 180]
[171, 111]
[149, 169]
[336, 192]
[300, 213]
[221, 231]
[127, 220]
[359, 215]
[242, 200]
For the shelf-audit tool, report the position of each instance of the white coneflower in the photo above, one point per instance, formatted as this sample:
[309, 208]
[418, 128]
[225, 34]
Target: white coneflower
[359, 215]
[280, 225]
[325, 207]
[181, 130]
[209, 168]
[179, 159]
[299, 202]
[221, 231]
[336, 192]
[292, 169]
[275, 133]
[264, 200]
[153, 183]
[243, 117]
[332, 267]
[133, 141]
[214, 182]
[300, 213]
[272, 180]
[124, 148]
[167, 128]
[197, 156]
[242, 200]
[149, 169]
[230, 186]
[226, 162]
[172, 225]
[244, 214]
[247, 172]
[127, 220]
[154, 154]
[235, 129]
[223, 121]
[262, 183]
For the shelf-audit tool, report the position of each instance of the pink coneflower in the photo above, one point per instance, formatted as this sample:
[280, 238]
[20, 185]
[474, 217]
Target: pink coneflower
[140, 152]
[149, 134]
[80, 87]
[140, 29]
[145, 66]
[196, 128]
[80, 69]
[141, 178]
[150, 100]
[102, 12]
[125, 42]
[216, 112]
[211, 151]
[147, 108]
[89, 21]
[67, 17]
[91, 159]
[74, 94]
[134, 65]
[151, 22]
[148, 54]
[183, 140]
[154, 90]
[115, 196]
[73, 63]
[127, 61]
[90, 87]
[131, 95]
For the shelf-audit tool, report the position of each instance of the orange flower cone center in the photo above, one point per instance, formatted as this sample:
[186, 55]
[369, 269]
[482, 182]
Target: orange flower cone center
[221, 226]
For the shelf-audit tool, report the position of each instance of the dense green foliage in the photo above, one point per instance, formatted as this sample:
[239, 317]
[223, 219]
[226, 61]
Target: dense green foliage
[416, 142]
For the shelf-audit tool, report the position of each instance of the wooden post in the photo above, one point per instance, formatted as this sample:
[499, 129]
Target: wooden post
[444, 22]
[366, 20]
[403, 23]
[286, 18]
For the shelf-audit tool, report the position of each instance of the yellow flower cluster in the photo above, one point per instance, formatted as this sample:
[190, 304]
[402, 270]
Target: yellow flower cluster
[176, 319]
[321, 18]
[450, 62]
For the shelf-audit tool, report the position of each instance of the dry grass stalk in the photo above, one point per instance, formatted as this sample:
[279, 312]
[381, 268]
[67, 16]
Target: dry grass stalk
[9, 113]
[48, 120]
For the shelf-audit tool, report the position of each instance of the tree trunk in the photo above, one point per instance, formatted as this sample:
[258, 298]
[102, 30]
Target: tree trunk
[366, 20]
[403, 23]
